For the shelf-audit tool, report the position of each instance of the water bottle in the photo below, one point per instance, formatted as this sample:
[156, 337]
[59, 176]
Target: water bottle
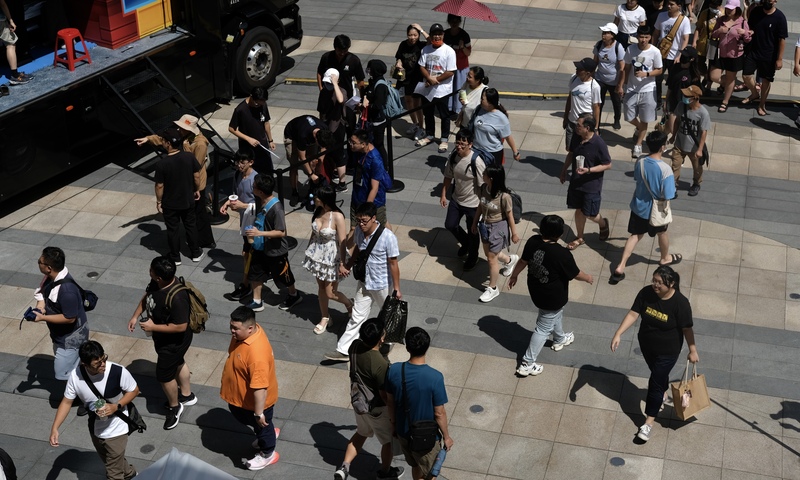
[437, 465]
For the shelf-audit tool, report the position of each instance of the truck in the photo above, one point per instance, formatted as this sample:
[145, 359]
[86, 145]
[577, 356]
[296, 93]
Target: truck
[151, 62]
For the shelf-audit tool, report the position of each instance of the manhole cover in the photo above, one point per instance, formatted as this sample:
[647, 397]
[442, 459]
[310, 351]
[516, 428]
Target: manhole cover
[147, 448]
[476, 409]
[794, 296]
[431, 320]
[616, 461]
[92, 274]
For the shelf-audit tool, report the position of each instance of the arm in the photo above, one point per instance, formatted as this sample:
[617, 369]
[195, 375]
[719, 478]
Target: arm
[236, 133]
[518, 268]
[567, 107]
[56, 318]
[446, 185]
[562, 177]
[584, 277]
[259, 398]
[11, 25]
[394, 271]
[513, 145]
[440, 415]
[373, 190]
[153, 140]
[510, 220]
[111, 408]
[319, 81]
[268, 130]
[596, 114]
[627, 322]
[149, 326]
[781, 47]
[796, 62]
[623, 75]
[688, 334]
[61, 415]
[196, 181]
[136, 313]
[160, 193]
[702, 142]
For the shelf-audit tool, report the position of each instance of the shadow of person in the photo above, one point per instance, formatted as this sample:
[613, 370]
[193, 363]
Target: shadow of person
[509, 335]
[221, 433]
[331, 444]
[616, 387]
[790, 410]
[548, 166]
[150, 391]
[84, 465]
[42, 377]
[230, 263]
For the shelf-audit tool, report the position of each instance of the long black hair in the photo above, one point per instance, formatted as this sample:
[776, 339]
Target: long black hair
[493, 99]
[497, 174]
[327, 195]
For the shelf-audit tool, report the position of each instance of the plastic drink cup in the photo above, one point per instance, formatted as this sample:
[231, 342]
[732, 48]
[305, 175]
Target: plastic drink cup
[143, 319]
[233, 198]
[462, 95]
[579, 161]
[98, 404]
[250, 240]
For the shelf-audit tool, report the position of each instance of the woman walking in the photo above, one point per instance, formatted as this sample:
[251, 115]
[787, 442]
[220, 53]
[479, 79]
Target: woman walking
[491, 127]
[732, 32]
[328, 231]
[491, 222]
[666, 321]
[609, 54]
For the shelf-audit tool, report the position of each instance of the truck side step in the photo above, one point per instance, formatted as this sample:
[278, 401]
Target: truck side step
[290, 44]
[134, 80]
[152, 98]
[287, 22]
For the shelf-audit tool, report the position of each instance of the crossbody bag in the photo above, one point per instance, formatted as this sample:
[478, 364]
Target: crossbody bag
[133, 418]
[660, 211]
[360, 265]
[666, 43]
[422, 434]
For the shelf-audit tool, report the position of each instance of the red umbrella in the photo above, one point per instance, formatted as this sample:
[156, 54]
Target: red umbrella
[467, 8]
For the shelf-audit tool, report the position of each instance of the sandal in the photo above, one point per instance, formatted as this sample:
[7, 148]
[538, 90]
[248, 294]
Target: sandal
[423, 141]
[320, 328]
[740, 87]
[575, 243]
[749, 100]
[616, 278]
[723, 108]
[674, 259]
[443, 147]
[605, 232]
[762, 112]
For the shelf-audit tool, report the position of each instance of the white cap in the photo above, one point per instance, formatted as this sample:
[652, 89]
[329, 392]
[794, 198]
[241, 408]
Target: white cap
[328, 73]
[609, 27]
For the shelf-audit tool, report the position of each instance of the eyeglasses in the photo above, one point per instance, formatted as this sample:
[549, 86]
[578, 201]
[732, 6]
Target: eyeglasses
[43, 263]
[364, 221]
[657, 283]
[351, 142]
[95, 364]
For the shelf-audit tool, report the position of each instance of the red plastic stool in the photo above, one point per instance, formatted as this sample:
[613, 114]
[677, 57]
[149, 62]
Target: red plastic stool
[69, 36]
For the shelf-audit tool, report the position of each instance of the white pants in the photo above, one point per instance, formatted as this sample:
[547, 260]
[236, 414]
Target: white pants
[362, 307]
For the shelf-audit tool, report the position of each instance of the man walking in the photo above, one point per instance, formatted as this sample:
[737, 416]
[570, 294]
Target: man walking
[689, 136]
[550, 269]
[765, 56]
[177, 179]
[673, 30]
[654, 181]
[250, 124]
[584, 97]
[415, 391]
[371, 367]
[367, 184]
[642, 64]
[169, 326]
[589, 160]
[109, 433]
[380, 269]
[250, 385]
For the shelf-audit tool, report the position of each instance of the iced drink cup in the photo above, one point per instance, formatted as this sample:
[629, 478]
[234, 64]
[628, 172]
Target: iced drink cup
[579, 161]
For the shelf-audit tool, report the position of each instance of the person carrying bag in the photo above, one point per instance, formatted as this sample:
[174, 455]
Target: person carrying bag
[660, 212]
[133, 418]
[422, 434]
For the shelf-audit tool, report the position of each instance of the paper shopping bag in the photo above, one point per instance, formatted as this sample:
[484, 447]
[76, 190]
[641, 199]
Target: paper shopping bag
[690, 395]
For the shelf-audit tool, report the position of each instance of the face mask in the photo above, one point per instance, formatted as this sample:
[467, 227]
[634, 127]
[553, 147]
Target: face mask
[437, 43]
[686, 100]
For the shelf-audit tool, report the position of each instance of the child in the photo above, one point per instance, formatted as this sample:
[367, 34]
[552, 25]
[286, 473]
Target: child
[270, 254]
[494, 211]
[246, 206]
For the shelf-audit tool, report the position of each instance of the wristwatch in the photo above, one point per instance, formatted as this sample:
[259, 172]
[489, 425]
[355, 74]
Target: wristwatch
[258, 415]
[119, 407]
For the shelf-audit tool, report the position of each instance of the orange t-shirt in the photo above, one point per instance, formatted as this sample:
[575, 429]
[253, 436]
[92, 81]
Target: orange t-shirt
[250, 366]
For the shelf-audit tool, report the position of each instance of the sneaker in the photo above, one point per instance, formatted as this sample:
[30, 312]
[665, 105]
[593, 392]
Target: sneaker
[637, 151]
[20, 79]
[240, 292]
[341, 474]
[532, 369]
[187, 400]
[336, 356]
[294, 199]
[173, 417]
[470, 264]
[393, 472]
[277, 436]
[341, 187]
[508, 268]
[256, 306]
[644, 432]
[199, 257]
[568, 339]
[261, 461]
[616, 125]
[489, 294]
[463, 251]
[82, 411]
[694, 190]
[290, 301]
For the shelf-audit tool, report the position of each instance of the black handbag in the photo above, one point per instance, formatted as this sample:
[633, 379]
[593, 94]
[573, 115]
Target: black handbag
[422, 434]
[133, 418]
[360, 265]
[394, 316]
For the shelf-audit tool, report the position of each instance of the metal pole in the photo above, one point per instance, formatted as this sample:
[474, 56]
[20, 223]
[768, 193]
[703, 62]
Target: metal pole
[397, 185]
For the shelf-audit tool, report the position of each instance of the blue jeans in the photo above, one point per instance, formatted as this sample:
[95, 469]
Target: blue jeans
[265, 435]
[548, 321]
[465, 237]
[660, 366]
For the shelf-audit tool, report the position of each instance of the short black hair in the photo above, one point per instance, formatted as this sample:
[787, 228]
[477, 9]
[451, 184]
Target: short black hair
[366, 209]
[362, 135]
[371, 332]
[417, 341]
[54, 258]
[551, 227]
[341, 42]
[244, 153]
[244, 315]
[264, 183]
[464, 134]
[377, 69]
[164, 268]
[644, 30]
[172, 135]
[655, 140]
[90, 350]
[325, 138]
[259, 93]
[588, 121]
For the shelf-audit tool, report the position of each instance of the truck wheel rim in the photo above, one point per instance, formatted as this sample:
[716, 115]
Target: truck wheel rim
[259, 61]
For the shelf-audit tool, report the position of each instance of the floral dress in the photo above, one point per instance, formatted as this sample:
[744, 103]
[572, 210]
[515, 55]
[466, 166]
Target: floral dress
[322, 254]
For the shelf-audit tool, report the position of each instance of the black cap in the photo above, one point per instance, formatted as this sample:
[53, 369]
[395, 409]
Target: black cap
[436, 27]
[689, 52]
[587, 64]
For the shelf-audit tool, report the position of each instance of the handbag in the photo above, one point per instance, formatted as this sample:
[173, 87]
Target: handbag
[360, 265]
[690, 395]
[666, 43]
[394, 316]
[422, 434]
[660, 211]
[361, 397]
[133, 418]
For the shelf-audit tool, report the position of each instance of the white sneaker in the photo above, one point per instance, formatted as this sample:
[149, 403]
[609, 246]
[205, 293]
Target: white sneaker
[199, 257]
[508, 268]
[490, 294]
[637, 151]
[532, 369]
[260, 461]
[644, 432]
[568, 339]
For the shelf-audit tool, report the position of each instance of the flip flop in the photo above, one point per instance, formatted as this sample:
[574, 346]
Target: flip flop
[723, 108]
[604, 231]
[750, 100]
[762, 112]
[575, 243]
[616, 278]
[675, 258]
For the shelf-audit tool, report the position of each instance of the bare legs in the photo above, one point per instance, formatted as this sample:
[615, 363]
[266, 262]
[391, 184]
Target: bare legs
[630, 245]
[494, 260]
[329, 291]
[183, 380]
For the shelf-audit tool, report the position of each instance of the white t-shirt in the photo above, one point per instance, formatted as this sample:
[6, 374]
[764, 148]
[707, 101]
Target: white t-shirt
[651, 59]
[583, 96]
[629, 20]
[608, 57]
[108, 427]
[664, 25]
[437, 61]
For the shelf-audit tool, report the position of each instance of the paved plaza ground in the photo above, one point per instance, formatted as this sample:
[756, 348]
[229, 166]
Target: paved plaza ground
[741, 271]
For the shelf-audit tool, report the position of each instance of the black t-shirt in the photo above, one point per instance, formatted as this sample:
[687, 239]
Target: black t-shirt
[250, 121]
[409, 57]
[349, 68]
[663, 321]
[376, 94]
[767, 31]
[550, 269]
[595, 152]
[652, 16]
[301, 131]
[157, 310]
[176, 172]
[679, 78]
[328, 107]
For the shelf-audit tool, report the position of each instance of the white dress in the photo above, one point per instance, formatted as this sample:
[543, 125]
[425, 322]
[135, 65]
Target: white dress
[322, 254]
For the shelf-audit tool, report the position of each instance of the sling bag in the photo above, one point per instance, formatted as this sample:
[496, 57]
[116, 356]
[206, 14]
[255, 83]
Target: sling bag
[422, 434]
[133, 419]
[360, 266]
[666, 43]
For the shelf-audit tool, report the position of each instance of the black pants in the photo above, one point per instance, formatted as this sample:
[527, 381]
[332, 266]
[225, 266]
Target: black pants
[453, 224]
[378, 141]
[173, 220]
[660, 80]
[440, 105]
[616, 100]
[262, 161]
[660, 366]
[205, 236]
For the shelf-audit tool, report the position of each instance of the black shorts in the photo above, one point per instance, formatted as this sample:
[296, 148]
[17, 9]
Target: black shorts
[587, 203]
[764, 68]
[263, 268]
[171, 358]
[731, 64]
[639, 226]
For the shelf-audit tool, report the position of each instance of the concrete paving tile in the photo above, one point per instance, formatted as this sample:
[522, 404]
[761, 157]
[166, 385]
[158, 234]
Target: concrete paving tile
[141, 358]
[116, 228]
[734, 146]
[726, 252]
[19, 217]
[107, 202]
[752, 452]
[293, 378]
[715, 277]
[485, 375]
[50, 220]
[792, 316]
[453, 474]
[763, 312]
[455, 365]
[73, 198]
[773, 168]
[328, 387]
[529, 417]
[767, 149]
[793, 260]
[475, 449]
[116, 346]
[202, 363]
[85, 224]
[748, 411]
[14, 301]
[576, 420]
[764, 256]
[553, 385]
[635, 467]
[494, 408]
[698, 443]
[572, 461]
[624, 439]
[621, 294]
[738, 475]
[595, 389]
[791, 458]
[762, 283]
[139, 206]
[675, 469]
[633, 394]
[713, 305]
[520, 457]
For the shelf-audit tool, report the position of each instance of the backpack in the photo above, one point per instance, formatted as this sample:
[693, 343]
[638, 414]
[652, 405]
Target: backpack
[260, 224]
[89, 297]
[394, 105]
[599, 46]
[198, 315]
[361, 397]
[516, 205]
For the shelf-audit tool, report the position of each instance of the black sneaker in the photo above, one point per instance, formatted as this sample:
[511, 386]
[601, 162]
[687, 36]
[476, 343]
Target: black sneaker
[294, 199]
[20, 79]
[173, 417]
[241, 292]
[463, 251]
[616, 125]
[341, 187]
[694, 190]
[184, 400]
[393, 472]
[341, 474]
[290, 301]
[470, 264]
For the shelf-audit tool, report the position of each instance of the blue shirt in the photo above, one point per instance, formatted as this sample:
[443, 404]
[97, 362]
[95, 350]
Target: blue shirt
[661, 181]
[371, 168]
[425, 391]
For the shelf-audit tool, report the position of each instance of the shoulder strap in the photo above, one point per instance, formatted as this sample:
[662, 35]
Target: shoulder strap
[406, 407]
[66, 280]
[177, 287]
[644, 179]
[270, 204]
[90, 383]
[93, 388]
[373, 241]
[671, 35]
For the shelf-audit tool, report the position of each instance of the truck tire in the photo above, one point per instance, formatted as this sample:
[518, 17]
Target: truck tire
[257, 59]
